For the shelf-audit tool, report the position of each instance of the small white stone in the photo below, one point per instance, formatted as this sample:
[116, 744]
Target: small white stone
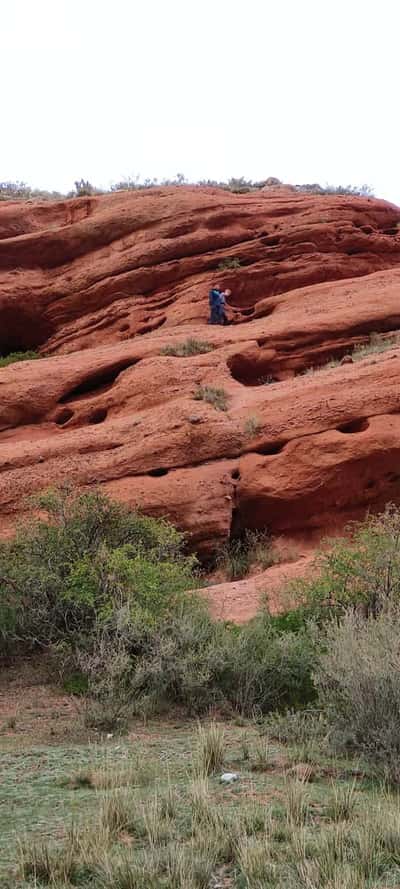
[229, 777]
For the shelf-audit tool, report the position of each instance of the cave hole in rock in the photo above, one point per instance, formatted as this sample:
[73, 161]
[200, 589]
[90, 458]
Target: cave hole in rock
[240, 530]
[251, 369]
[63, 416]
[235, 474]
[271, 448]
[272, 241]
[98, 415]
[158, 473]
[100, 380]
[358, 425]
[123, 328]
[21, 331]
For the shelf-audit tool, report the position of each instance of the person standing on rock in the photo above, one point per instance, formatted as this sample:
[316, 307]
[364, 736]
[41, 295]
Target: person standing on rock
[222, 319]
[214, 299]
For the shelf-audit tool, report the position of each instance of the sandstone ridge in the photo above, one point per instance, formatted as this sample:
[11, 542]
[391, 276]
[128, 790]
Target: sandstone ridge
[102, 285]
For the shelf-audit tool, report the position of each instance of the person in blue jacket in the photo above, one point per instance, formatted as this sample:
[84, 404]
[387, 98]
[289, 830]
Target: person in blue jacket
[214, 299]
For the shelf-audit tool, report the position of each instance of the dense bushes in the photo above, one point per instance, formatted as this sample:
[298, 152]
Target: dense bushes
[107, 591]
[357, 675]
[362, 572]
[355, 604]
[63, 575]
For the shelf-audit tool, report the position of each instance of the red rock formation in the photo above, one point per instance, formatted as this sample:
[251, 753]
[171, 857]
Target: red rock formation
[102, 284]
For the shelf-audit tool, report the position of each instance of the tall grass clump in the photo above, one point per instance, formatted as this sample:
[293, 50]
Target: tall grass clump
[45, 863]
[252, 426]
[215, 396]
[375, 345]
[357, 675]
[240, 553]
[211, 748]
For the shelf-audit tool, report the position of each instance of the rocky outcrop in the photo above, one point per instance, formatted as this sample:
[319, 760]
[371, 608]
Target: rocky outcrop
[102, 285]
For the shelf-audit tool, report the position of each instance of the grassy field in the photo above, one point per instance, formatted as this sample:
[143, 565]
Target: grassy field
[149, 809]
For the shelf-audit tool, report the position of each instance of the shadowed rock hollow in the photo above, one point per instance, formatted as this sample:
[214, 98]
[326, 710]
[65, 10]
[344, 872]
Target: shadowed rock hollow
[101, 285]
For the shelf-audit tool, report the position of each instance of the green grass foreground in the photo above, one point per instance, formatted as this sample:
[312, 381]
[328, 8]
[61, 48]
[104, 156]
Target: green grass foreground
[149, 811]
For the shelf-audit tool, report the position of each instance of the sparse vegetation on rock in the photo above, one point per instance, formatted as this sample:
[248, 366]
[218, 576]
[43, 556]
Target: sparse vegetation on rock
[212, 395]
[14, 357]
[187, 348]
[252, 426]
[225, 264]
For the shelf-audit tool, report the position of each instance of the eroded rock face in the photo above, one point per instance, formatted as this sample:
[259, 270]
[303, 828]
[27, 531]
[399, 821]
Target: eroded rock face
[102, 285]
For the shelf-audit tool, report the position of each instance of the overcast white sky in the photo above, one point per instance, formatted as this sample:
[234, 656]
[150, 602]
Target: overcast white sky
[305, 90]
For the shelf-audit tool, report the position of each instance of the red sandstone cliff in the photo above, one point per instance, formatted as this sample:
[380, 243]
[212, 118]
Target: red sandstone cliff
[102, 284]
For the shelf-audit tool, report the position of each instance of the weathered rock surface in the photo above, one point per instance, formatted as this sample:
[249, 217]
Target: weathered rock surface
[101, 285]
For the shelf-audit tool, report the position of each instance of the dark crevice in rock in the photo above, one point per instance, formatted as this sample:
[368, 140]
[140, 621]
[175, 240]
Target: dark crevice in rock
[272, 241]
[271, 448]
[158, 473]
[392, 477]
[63, 416]
[251, 370]
[21, 330]
[98, 415]
[247, 311]
[358, 425]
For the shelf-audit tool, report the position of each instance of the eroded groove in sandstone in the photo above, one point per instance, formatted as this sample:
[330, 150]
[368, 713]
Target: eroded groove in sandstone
[97, 382]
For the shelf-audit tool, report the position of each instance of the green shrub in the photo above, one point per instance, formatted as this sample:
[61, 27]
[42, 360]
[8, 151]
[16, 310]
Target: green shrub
[363, 570]
[61, 577]
[263, 670]
[13, 357]
[217, 397]
[107, 591]
[196, 663]
[187, 348]
[357, 675]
